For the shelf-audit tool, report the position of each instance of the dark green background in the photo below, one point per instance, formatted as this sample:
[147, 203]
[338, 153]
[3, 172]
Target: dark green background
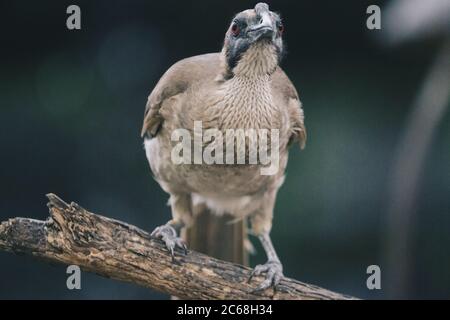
[71, 107]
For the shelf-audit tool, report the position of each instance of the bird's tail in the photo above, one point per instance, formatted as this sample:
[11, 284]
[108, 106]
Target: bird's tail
[221, 237]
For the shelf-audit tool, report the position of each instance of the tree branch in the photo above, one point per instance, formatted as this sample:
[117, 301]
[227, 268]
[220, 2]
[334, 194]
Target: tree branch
[114, 249]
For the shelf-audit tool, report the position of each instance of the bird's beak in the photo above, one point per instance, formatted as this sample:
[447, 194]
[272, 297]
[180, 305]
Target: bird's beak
[264, 29]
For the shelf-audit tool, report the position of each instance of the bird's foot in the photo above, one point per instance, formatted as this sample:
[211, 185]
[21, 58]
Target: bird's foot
[273, 271]
[168, 234]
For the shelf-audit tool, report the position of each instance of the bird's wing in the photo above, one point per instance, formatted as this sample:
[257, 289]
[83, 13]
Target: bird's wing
[288, 94]
[175, 81]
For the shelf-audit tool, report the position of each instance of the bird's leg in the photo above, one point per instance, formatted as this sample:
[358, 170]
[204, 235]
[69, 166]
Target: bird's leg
[181, 211]
[169, 234]
[272, 268]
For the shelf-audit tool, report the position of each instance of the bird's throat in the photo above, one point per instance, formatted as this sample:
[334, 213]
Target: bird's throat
[246, 97]
[259, 60]
[247, 103]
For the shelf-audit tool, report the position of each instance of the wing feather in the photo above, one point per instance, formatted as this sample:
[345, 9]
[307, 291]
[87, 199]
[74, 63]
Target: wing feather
[175, 81]
[286, 90]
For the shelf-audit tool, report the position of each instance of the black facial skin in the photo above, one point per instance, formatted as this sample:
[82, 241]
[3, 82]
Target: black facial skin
[250, 31]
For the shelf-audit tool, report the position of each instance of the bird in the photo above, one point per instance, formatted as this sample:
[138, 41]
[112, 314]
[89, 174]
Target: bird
[240, 87]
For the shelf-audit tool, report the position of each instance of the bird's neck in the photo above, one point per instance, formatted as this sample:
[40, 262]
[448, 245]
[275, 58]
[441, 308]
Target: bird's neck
[248, 103]
[247, 95]
[259, 60]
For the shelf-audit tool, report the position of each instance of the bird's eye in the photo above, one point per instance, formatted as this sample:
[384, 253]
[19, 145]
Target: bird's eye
[280, 26]
[235, 30]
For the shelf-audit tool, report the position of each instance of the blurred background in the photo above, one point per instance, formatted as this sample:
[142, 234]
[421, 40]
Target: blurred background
[71, 109]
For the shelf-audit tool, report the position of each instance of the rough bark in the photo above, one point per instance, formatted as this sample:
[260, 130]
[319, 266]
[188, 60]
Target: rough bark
[114, 249]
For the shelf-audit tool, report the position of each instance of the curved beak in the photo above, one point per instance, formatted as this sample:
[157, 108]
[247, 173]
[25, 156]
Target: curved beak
[264, 29]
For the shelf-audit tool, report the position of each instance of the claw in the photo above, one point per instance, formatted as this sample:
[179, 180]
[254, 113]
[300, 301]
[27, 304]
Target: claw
[260, 268]
[181, 244]
[274, 273]
[168, 234]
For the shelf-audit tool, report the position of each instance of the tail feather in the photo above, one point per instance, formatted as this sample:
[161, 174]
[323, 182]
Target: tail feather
[222, 237]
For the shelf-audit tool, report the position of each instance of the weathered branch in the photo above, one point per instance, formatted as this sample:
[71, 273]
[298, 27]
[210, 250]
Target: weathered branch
[72, 235]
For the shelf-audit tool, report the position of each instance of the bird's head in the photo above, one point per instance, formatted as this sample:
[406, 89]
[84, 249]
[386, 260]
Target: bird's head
[253, 42]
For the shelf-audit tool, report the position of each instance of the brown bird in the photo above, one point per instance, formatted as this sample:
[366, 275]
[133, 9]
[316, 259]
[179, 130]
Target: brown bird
[242, 87]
